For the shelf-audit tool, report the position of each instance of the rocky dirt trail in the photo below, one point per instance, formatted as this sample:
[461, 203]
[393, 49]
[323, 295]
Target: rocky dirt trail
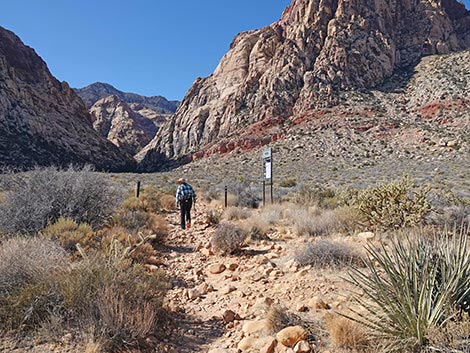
[219, 304]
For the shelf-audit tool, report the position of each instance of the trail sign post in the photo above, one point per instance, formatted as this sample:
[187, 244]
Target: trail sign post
[267, 158]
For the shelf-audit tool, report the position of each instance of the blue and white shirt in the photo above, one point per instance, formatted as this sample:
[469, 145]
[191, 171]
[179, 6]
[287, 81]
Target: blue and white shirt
[185, 192]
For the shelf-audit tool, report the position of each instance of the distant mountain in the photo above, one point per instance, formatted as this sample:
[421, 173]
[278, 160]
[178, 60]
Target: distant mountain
[316, 57]
[116, 114]
[96, 91]
[43, 121]
[119, 123]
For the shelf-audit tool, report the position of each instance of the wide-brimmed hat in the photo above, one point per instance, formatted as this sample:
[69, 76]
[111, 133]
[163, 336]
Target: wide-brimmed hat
[181, 181]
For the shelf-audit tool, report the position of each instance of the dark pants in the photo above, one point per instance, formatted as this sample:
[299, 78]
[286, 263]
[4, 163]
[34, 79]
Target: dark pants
[185, 208]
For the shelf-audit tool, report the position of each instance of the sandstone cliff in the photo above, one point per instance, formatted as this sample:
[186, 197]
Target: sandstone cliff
[122, 125]
[318, 50]
[42, 121]
[98, 90]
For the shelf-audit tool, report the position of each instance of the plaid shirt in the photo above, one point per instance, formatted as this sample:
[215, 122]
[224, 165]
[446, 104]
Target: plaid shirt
[185, 190]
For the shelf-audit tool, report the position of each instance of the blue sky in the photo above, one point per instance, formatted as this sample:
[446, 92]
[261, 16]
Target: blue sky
[150, 47]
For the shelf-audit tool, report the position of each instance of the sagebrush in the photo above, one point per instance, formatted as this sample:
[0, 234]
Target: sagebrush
[40, 197]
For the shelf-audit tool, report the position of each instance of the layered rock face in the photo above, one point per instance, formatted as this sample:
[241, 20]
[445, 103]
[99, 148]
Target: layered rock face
[42, 121]
[115, 120]
[316, 51]
[98, 90]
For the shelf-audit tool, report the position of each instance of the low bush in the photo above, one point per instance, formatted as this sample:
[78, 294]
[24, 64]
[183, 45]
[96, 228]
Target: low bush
[328, 253]
[413, 287]
[135, 222]
[28, 267]
[213, 216]
[288, 183]
[40, 197]
[346, 333]
[68, 233]
[307, 223]
[236, 213]
[228, 238]
[394, 205]
[108, 292]
[148, 200]
[256, 228]
[316, 196]
[245, 195]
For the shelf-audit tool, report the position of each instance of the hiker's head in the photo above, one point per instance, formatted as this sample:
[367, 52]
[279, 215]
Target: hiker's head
[181, 181]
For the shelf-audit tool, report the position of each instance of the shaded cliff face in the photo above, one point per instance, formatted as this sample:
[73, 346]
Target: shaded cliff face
[316, 51]
[115, 120]
[42, 121]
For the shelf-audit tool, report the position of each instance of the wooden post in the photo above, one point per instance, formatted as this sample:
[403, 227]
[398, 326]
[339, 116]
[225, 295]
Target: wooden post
[226, 198]
[264, 192]
[137, 189]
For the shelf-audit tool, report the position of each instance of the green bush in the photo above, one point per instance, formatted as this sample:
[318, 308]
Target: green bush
[316, 196]
[68, 233]
[394, 205]
[413, 287]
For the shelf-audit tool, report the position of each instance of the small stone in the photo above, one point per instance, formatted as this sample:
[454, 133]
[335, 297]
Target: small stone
[232, 266]
[246, 343]
[269, 346]
[366, 236]
[228, 289]
[252, 327]
[216, 268]
[289, 336]
[301, 308]
[302, 347]
[230, 316]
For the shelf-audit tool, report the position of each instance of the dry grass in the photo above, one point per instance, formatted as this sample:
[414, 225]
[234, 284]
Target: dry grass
[135, 222]
[213, 216]
[236, 213]
[228, 238]
[68, 233]
[256, 228]
[324, 253]
[345, 333]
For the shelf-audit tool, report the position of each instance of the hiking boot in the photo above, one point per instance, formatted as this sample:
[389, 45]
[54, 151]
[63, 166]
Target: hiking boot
[188, 224]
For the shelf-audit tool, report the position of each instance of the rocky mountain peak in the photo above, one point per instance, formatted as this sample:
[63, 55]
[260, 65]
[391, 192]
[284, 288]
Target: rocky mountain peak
[318, 50]
[115, 120]
[43, 121]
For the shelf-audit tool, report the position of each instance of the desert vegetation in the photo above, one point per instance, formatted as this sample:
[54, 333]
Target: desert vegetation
[376, 269]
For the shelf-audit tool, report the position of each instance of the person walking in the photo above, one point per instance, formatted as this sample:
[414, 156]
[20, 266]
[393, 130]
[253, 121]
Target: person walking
[185, 197]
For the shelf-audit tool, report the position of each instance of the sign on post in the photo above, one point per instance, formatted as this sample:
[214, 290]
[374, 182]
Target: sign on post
[267, 158]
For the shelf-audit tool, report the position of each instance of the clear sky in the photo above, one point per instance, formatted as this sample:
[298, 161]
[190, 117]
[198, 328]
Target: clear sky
[150, 47]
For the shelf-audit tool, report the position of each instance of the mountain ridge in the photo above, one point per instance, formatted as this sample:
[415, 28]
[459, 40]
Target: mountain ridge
[308, 59]
[42, 120]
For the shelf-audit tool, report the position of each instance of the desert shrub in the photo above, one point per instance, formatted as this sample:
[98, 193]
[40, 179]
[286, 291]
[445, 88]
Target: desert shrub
[414, 289]
[245, 195]
[328, 253]
[27, 269]
[235, 213]
[40, 197]
[278, 317]
[256, 228]
[213, 216]
[149, 200]
[228, 238]
[273, 214]
[451, 338]
[68, 233]
[140, 221]
[315, 196]
[288, 183]
[106, 291]
[167, 202]
[346, 333]
[123, 303]
[311, 224]
[394, 205]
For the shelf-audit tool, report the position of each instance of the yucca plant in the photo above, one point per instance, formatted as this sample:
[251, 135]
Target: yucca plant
[412, 287]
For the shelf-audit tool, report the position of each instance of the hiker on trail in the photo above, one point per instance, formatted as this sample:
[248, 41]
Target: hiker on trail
[185, 197]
